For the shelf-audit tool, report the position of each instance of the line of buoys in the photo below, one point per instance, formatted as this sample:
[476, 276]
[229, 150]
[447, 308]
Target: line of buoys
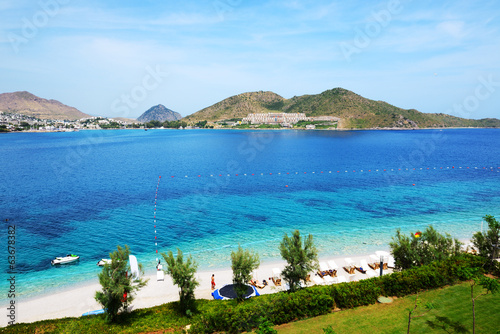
[154, 216]
[493, 169]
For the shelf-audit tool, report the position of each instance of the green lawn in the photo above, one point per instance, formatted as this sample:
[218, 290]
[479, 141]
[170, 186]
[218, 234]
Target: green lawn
[452, 313]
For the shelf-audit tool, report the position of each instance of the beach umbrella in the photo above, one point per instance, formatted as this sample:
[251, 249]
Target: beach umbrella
[227, 292]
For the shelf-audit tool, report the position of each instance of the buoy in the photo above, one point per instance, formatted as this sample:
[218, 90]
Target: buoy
[414, 184]
[286, 186]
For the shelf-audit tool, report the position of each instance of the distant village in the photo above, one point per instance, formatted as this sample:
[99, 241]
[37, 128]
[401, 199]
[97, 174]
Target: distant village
[19, 122]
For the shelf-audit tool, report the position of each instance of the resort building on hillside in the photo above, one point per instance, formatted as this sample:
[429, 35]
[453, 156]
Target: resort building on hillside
[323, 119]
[275, 118]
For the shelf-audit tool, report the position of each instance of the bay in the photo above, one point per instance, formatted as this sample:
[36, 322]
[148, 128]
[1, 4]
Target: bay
[86, 192]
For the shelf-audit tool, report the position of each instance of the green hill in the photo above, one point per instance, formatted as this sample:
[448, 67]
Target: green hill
[239, 106]
[354, 110]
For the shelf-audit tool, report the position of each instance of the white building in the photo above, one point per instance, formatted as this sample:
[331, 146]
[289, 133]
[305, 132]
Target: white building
[275, 118]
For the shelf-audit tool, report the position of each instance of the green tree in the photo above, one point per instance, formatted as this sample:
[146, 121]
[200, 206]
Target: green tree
[182, 273]
[412, 311]
[153, 124]
[415, 251]
[301, 258]
[488, 284]
[201, 124]
[117, 285]
[243, 262]
[487, 243]
[475, 278]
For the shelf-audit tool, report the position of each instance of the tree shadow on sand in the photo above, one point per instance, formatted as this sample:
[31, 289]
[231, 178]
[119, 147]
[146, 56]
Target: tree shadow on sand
[447, 325]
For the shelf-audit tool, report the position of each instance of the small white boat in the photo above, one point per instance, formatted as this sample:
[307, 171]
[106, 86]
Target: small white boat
[102, 262]
[66, 259]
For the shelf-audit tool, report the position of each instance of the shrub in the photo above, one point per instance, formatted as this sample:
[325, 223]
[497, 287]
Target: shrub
[284, 307]
[422, 248]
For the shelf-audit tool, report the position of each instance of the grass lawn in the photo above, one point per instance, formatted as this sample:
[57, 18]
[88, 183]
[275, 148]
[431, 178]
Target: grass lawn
[452, 313]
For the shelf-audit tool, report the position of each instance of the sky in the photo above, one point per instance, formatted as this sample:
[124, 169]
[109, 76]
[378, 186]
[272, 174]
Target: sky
[118, 58]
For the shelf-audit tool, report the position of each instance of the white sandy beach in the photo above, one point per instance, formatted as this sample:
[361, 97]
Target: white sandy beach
[76, 301]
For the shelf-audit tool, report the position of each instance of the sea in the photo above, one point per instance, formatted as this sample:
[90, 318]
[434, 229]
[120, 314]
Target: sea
[207, 191]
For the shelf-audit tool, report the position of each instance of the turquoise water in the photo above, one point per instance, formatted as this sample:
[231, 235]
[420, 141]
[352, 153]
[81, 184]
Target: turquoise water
[88, 191]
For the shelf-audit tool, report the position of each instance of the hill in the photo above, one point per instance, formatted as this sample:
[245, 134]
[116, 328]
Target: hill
[354, 110]
[31, 105]
[239, 106]
[159, 113]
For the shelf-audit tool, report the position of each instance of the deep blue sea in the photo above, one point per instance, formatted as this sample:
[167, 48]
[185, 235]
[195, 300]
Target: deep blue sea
[87, 192]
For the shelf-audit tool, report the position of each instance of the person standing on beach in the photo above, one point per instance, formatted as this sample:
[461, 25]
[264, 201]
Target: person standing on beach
[213, 282]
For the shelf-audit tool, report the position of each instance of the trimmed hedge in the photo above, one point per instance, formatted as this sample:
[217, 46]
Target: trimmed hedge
[233, 317]
[283, 307]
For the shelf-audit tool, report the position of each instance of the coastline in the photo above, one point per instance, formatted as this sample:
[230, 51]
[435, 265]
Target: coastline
[272, 129]
[75, 300]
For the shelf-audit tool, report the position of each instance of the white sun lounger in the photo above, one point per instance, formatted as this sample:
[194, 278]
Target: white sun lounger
[160, 275]
[323, 266]
[333, 265]
[328, 279]
[318, 280]
[363, 264]
[349, 261]
[352, 277]
[341, 279]
[385, 256]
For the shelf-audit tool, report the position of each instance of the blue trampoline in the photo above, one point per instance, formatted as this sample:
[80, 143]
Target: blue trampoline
[227, 292]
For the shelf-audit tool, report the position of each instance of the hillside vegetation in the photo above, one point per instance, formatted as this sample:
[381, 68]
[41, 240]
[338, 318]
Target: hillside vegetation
[354, 110]
[31, 105]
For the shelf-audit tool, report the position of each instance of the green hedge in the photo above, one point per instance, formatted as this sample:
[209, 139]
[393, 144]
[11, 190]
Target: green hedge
[279, 308]
[283, 307]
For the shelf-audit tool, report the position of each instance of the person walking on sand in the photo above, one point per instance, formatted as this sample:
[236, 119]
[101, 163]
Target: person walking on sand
[213, 282]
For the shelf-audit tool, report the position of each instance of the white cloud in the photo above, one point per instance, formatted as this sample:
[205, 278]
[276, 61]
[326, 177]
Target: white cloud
[454, 29]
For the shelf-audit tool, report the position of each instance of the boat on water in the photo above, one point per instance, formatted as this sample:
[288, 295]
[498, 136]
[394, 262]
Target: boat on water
[102, 262]
[65, 259]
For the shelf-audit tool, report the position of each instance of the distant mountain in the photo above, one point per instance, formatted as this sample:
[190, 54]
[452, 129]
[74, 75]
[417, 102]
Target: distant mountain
[354, 110]
[159, 113]
[32, 105]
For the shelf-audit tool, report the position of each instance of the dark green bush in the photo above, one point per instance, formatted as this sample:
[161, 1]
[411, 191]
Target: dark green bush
[348, 295]
[284, 307]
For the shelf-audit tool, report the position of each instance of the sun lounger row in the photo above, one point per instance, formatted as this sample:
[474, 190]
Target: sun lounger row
[329, 269]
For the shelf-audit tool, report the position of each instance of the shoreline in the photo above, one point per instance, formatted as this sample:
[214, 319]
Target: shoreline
[257, 129]
[74, 300]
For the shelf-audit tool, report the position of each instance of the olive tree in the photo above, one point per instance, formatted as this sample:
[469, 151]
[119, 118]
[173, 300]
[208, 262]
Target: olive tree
[487, 243]
[243, 262]
[301, 258]
[182, 273]
[429, 246]
[117, 285]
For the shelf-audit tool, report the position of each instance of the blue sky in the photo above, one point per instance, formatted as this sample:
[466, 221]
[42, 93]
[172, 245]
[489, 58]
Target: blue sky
[118, 58]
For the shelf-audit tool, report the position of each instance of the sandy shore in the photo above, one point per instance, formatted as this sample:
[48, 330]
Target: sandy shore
[76, 301]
